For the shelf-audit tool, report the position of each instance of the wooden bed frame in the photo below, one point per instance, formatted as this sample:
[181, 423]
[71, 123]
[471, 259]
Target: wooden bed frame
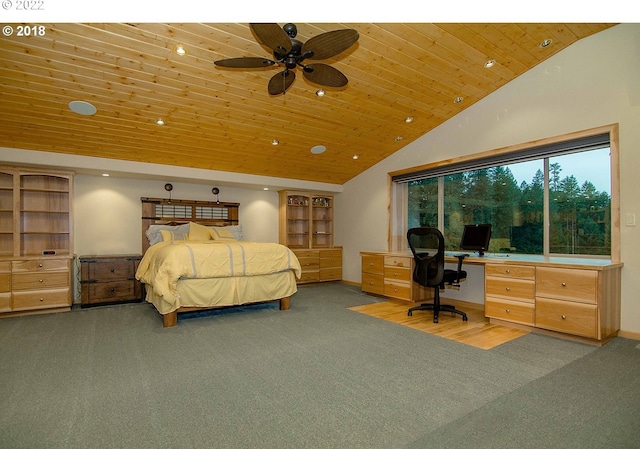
[164, 211]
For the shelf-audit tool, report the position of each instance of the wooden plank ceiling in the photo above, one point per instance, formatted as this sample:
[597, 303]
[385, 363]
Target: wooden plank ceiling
[223, 119]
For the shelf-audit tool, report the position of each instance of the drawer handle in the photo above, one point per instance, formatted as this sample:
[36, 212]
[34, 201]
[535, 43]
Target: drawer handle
[41, 299]
[564, 284]
[370, 282]
[113, 289]
[507, 288]
[40, 265]
[564, 317]
[507, 271]
[507, 310]
[113, 270]
[370, 264]
[41, 280]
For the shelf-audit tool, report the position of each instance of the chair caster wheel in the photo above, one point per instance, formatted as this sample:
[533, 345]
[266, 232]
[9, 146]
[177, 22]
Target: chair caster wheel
[435, 320]
[409, 313]
[464, 318]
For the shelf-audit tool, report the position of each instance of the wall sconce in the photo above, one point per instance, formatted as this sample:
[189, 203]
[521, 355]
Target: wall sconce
[168, 187]
[216, 192]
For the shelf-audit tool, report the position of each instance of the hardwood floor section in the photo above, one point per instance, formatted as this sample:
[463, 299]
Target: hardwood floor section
[477, 332]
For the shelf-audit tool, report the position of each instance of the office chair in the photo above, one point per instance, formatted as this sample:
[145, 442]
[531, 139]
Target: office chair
[427, 246]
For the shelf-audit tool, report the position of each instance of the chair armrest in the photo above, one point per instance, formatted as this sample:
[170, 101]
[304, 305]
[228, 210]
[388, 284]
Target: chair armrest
[460, 258]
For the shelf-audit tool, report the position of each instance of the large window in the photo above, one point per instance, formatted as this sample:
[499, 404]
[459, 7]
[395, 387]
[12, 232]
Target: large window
[565, 184]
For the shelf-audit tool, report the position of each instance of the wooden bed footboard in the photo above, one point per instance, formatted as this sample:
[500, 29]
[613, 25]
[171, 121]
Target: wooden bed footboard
[171, 319]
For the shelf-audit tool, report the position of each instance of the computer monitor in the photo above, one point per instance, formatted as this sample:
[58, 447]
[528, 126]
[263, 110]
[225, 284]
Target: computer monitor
[476, 237]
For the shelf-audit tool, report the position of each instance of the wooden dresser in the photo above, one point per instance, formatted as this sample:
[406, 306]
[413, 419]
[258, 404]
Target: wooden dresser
[36, 240]
[109, 279]
[390, 274]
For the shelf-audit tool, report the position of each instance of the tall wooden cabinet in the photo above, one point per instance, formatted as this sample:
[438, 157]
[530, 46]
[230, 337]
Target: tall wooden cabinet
[36, 240]
[306, 227]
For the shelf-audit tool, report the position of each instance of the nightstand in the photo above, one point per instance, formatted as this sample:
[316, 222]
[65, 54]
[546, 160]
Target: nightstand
[109, 279]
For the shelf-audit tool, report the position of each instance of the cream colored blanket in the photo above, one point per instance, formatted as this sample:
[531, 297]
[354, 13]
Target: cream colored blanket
[165, 263]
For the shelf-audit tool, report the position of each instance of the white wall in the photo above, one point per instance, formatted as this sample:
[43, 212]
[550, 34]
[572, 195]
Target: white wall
[107, 211]
[594, 82]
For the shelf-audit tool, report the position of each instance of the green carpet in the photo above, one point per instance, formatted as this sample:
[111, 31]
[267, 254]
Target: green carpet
[315, 376]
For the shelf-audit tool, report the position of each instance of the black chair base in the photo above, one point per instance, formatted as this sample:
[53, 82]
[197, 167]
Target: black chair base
[437, 310]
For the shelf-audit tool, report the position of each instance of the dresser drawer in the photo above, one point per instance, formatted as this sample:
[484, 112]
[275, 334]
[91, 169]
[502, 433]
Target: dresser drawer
[397, 273]
[563, 283]
[331, 262]
[515, 289]
[306, 253]
[5, 282]
[104, 271]
[331, 253]
[373, 283]
[397, 290]
[510, 271]
[331, 274]
[309, 276]
[309, 263]
[40, 281]
[373, 264]
[566, 316]
[39, 265]
[5, 266]
[5, 302]
[43, 299]
[514, 311]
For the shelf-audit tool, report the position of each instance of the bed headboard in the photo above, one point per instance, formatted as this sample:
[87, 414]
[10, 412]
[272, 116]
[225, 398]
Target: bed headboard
[170, 211]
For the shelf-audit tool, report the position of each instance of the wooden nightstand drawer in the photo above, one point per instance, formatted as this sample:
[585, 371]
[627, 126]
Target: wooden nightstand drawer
[111, 291]
[514, 311]
[566, 316]
[44, 299]
[564, 283]
[40, 281]
[118, 269]
[514, 289]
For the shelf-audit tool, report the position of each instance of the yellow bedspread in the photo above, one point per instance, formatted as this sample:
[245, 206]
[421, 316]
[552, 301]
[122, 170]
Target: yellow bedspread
[165, 263]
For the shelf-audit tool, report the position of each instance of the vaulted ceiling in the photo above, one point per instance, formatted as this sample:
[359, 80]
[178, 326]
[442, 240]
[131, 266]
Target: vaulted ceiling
[224, 119]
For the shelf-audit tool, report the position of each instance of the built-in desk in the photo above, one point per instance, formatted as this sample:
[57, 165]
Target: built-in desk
[571, 297]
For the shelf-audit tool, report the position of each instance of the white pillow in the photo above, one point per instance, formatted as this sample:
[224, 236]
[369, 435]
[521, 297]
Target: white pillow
[236, 230]
[154, 236]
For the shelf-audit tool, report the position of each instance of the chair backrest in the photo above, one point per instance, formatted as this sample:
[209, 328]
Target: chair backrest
[427, 246]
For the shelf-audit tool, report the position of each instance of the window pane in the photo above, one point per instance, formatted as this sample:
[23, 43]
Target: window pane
[580, 203]
[513, 206]
[423, 203]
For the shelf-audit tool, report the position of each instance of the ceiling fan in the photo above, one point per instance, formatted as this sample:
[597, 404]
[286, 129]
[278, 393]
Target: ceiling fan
[290, 53]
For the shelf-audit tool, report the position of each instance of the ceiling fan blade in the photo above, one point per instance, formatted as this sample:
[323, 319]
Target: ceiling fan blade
[331, 43]
[245, 63]
[273, 36]
[325, 75]
[280, 82]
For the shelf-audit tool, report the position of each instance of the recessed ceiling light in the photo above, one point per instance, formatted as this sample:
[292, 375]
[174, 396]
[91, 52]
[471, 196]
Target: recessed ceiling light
[275, 142]
[458, 100]
[179, 49]
[399, 138]
[105, 174]
[545, 43]
[320, 92]
[355, 156]
[159, 122]
[490, 63]
[318, 149]
[408, 119]
[265, 188]
[82, 107]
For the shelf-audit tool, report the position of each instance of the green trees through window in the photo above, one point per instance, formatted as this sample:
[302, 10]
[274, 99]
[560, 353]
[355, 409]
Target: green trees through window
[512, 198]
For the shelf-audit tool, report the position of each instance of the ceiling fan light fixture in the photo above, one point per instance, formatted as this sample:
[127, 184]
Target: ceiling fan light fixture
[318, 149]
[320, 92]
[490, 63]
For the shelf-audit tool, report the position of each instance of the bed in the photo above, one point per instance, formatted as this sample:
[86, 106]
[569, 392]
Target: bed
[195, 258]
